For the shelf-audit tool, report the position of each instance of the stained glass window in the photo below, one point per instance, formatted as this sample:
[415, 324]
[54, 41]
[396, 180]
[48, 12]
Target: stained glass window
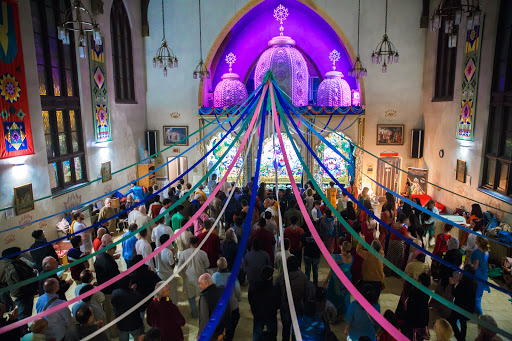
[272, 159]
[226, 161]
[67, 171]
[78, 168]
[336, 165]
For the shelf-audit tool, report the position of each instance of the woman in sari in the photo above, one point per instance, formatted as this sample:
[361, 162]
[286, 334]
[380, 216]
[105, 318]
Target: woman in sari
[396, 248]
[336, 291]
[331, 193]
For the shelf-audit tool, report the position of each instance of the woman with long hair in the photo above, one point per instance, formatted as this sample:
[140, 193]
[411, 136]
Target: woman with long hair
[331, 193]
[369, 228]
[336, 291]
[475, 214]
[477, 225]
[396, 248]
[417, 234]
[387, 216]
[350, 212]
[262, 194]
[479, 259]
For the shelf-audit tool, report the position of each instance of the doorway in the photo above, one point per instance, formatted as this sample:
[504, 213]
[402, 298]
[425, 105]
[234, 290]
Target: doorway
[177, 167]
[387, 175]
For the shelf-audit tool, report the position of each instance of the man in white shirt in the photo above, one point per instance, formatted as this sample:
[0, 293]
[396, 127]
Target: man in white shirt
[192, 271]
[316, 213]
[142, 219]
[143, 248]
[183, 240]
[165, 266]
[133, 215]
[79, 226]
[159, 230]
[212, 183]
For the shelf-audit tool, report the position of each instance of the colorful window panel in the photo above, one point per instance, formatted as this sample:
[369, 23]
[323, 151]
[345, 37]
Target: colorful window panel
[78, 168]
[272, 159]
[226, 161]
[336, 165]
[66, 165]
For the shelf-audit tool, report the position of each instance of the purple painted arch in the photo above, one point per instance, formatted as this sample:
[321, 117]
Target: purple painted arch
[250, 35]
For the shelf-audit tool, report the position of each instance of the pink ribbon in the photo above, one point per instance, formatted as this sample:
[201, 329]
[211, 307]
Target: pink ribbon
[392, 330]
[152, 254]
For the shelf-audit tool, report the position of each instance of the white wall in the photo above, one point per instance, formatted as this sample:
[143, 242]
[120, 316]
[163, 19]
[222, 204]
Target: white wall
[128, 125]
[400, 89]
[441, 122]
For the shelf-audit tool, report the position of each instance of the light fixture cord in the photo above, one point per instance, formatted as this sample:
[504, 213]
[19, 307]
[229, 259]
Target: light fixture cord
[386, 20]
[200, 34]
[163, 21]
[358, 23]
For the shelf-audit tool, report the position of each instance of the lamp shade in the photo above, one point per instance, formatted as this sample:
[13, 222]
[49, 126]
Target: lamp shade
[230, 91]
[288, 66]
[334, 91]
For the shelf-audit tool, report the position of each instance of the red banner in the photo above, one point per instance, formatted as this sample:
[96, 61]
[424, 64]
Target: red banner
[15, 131]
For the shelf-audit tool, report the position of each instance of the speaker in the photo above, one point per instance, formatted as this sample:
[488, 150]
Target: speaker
[417, 136]
[151, 142]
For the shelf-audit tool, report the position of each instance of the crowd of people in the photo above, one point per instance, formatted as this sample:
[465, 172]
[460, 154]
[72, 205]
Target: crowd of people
[318, 302]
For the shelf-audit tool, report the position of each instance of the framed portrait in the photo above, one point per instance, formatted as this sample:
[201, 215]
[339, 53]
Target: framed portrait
[174, 134]
[418, 178]
[390, 134]
[24, 197]
[461, 171]
[106, 172]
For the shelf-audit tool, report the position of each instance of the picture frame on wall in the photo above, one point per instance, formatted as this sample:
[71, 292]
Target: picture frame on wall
[418, 178]
[106, 172]
[390, 134]
[461, 171]
[24, 197]
[174, 134]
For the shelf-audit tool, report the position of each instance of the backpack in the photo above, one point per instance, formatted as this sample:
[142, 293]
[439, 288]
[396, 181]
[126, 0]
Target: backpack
[489, 221]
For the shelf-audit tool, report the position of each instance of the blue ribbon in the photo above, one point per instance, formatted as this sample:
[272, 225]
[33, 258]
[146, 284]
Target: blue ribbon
[230, 285]
[392, 230]
[329, 121]
[244, 116]
[343, 119]
[351, 124]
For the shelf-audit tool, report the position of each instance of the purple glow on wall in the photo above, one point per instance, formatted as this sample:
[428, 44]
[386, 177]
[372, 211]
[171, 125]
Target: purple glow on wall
[250, 35]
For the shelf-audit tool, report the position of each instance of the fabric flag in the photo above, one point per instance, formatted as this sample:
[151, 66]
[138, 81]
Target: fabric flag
[99, 93]
[15, 132]
[471, 63]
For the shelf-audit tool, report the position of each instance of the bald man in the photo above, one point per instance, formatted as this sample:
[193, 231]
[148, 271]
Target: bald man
[60, 321]
[106, 212]
[97, 242]
[208, 299]
[49, 264]
[143, 219]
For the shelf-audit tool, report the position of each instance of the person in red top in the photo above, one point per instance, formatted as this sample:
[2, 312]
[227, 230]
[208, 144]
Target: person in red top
[441, 246]
[294, 234]
[97, 242]
[165, 315]
[265, 237]
[396, 248]
[211, 246]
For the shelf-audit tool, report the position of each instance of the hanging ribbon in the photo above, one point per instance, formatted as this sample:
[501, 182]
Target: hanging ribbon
[329, 121]
[150, 256]
[409, 279]
[230, 285]
[392, 330]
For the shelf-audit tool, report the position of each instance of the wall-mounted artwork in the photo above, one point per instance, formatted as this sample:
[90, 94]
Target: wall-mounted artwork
[24, 197]
[174, 134]
[461, 171]
[418, 178]
[106, 172]
[390, 134]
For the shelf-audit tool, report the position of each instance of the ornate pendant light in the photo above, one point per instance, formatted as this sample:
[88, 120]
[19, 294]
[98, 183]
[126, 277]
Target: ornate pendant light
[358, 69]
[78, 19]
[230, 91]
[451, 11]
[334, 91]
[385, 49]
[201, 70]
[165, 57]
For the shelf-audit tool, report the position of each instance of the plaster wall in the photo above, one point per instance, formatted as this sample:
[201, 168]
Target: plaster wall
[128, 125]
[400, 89]
[441, 122]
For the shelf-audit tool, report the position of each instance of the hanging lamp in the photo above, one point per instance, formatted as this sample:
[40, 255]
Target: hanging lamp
[358, 69]
[78, 19]
[385, 49]
[201, 71]
[165, 57]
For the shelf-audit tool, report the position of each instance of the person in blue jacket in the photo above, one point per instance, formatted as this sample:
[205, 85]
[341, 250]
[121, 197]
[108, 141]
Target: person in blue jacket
[137, 192]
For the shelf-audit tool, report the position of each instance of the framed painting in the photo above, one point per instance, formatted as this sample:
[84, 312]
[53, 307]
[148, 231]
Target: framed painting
[24, 197]
[418, 178]
[461, 171]
[390, 134]
[106, 172]
[174, 134]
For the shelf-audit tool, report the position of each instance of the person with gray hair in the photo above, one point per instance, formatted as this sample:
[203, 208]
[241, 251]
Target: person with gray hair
[107, 212]
[50, 264]
[143, 219]
[220, 278]
[208, 299]
[60, 321]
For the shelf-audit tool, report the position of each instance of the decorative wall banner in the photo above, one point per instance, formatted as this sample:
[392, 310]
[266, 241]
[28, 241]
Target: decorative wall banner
[15, 130]
[471, 69]
[99, 92]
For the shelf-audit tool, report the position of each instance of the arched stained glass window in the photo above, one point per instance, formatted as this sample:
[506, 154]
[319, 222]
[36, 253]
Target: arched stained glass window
[337, 166]
[226, 161]
[272, 158]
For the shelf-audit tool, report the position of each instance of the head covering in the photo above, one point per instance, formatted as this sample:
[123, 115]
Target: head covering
[10, 251]
[453, 243]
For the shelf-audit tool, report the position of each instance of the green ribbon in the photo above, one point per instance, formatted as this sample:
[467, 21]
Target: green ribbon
[104, 249]
[409, 279]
